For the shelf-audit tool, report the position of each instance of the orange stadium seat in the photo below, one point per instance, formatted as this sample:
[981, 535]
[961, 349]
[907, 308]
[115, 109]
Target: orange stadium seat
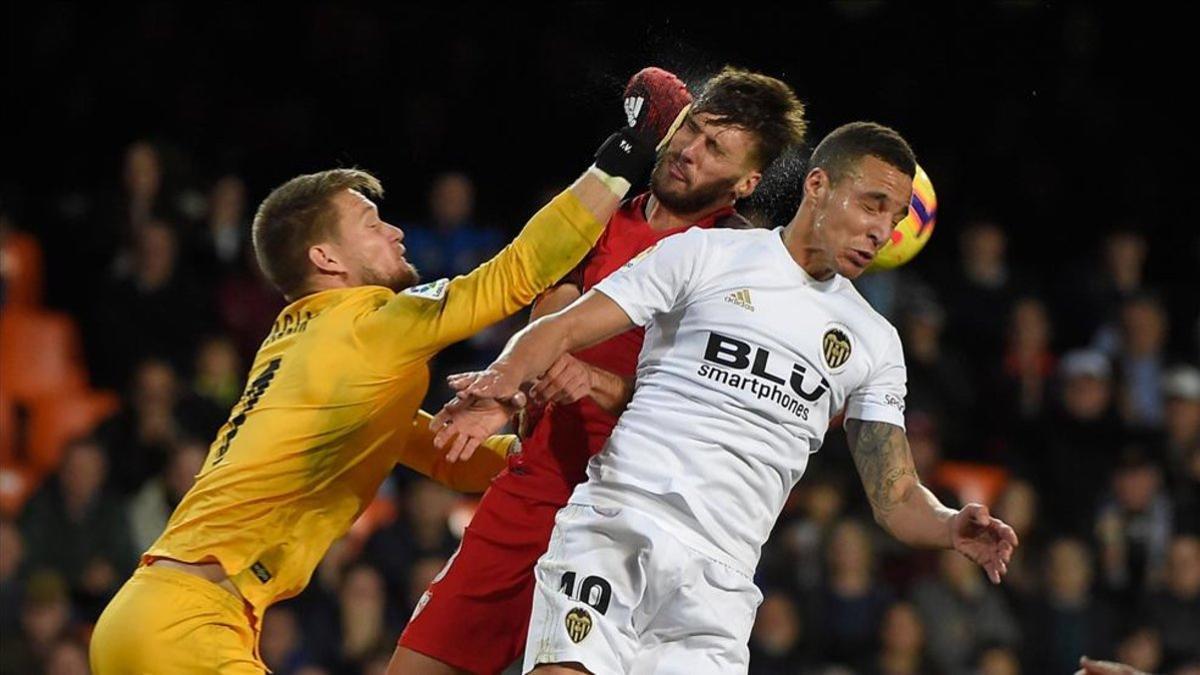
[972, 482]
[21, 268]
[39, 354]
[55, 421]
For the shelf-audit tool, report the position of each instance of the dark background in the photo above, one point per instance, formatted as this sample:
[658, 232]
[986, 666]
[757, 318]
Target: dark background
[1062, 120]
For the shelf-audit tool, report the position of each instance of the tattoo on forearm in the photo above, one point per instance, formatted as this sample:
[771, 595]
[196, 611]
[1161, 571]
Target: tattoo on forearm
[883, 459]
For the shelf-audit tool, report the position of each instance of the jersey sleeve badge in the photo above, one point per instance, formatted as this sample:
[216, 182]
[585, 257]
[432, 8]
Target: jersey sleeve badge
[434, 290]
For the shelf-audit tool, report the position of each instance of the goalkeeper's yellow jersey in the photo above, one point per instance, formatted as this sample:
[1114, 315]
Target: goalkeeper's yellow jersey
[332, 405]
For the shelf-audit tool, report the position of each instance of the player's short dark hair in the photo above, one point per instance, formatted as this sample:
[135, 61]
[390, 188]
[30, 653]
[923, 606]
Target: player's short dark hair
[760, 104]
[841, 150]
[297, 215]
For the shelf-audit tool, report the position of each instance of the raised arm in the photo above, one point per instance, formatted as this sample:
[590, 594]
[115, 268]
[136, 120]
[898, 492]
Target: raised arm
[531, 352]
[438, 314]
[421, 455]
[911, 513]
[528, 354]
[569, 379]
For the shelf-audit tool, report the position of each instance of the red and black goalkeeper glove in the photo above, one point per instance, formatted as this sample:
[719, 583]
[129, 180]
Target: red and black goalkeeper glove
[655, 101]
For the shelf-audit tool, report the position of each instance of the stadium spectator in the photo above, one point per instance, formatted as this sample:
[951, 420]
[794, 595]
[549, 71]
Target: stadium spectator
[153, 504]
[282, 644]
[1026, 371]
[997, 660]
[902, 644]
[420, 575]
[67, 657]
[1091, 296]
[1077, 442]
[1141, 649]
[45, 618]
[153, 310]
[777, 642]
[979, 295]
[938, 382]
[1142, 358]
[1175, 610]
[246, 305]
[226, 233]
[792, 559]
[968, 612]
[421, 532]
[142, 182]
[363, 627]
[451, 242]
[218, 373]
[77, 528]
[1181, 442]
[159, 412]
[1134, 525]
[12, 573]
[1067, 619]
[1018, 506]
[846, 620]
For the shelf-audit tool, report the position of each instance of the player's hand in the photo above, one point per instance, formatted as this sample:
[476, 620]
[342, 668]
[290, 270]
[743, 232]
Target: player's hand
[984, 539]
[567, 381]
[464, 423]
[1090, 667]
[495, 382]
[655, 103]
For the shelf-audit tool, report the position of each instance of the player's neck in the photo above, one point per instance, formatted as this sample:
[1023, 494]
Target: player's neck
[317, 284]
[659, 218]
[801, 242]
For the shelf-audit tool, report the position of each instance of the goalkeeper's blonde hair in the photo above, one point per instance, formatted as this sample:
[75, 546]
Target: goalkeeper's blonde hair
[297, 215]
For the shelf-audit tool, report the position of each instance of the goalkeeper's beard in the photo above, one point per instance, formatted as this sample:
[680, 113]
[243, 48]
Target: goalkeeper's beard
[694, 198]
[406, 277]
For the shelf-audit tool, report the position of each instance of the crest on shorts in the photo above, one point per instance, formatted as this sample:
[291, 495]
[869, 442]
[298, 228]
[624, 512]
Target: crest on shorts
[579, 624]
[836, 348]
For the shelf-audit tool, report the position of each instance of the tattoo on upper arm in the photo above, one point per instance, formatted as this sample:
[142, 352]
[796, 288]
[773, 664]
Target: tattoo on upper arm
[883, 459]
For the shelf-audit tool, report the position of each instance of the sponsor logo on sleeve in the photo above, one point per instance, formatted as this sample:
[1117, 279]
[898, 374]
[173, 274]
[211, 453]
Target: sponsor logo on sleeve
[434, 290]
[894, 401]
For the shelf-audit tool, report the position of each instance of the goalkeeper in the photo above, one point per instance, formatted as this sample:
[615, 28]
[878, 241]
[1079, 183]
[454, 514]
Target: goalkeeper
[332, 400]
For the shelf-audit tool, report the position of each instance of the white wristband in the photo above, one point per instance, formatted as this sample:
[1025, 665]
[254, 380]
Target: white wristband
[615, 184]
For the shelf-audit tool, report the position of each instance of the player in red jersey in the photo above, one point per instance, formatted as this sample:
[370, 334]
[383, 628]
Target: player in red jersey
[475, 614]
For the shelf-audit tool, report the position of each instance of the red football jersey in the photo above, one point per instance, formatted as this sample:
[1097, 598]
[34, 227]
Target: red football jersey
[564, 437]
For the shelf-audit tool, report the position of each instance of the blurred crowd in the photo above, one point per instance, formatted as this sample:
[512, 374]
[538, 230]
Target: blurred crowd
[1068, 400]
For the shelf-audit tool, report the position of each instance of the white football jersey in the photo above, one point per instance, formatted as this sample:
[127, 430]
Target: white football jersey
[746, 359]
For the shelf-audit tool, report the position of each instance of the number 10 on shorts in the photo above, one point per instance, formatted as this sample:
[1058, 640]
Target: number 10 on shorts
[593, 591]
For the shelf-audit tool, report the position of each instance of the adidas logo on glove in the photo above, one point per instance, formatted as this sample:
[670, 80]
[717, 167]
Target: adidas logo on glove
[633, 106]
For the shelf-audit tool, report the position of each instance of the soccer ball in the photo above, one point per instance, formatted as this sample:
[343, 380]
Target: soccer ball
[914, 231]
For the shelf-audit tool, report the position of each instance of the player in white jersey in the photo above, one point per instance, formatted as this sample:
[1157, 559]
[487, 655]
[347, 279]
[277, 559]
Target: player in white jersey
[754, 341]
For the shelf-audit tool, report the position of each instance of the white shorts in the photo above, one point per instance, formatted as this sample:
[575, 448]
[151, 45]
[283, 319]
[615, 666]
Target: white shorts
[619, 594]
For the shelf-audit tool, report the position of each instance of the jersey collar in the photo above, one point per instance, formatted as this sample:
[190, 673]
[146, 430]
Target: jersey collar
[637, 206]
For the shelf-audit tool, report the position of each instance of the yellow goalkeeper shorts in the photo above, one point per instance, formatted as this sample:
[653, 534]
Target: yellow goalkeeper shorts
[167, 621]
